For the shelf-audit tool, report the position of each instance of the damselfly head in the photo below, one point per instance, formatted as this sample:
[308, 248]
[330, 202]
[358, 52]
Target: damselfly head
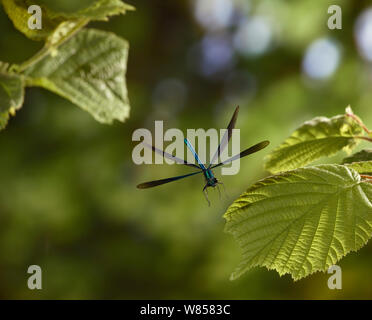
[213, 182]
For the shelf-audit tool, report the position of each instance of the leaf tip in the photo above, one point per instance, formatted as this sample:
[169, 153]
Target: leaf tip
[348, 110]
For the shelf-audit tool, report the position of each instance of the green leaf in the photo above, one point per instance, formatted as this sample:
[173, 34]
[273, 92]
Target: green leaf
[11, 92]
[363, 155]
[17, 10]
[360, 161]
[62, 33]
[89, 70]
[314, 139]
[102, 9]
[301, 221]
[4, 117]
[363, 167]
[11, 96]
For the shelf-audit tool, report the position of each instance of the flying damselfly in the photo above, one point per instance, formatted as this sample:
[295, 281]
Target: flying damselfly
[210, 179]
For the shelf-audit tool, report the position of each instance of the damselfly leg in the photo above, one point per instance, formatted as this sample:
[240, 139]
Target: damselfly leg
[219, 191]
[224, 189]
[205, 191]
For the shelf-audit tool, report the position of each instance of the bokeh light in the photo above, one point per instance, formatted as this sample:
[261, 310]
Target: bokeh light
[254, 36]
[363, 34]
[214, 14]
[214, 54]
[321, 59]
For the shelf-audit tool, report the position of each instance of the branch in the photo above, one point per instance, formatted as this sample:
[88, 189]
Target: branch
[368, 178]
[363, 138]
[48, 47]
[360, 122]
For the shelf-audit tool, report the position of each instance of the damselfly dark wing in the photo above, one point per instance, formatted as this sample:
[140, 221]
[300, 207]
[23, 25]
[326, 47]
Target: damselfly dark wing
[253, 149]
[169, 156]
[226, 137]
[155, 183]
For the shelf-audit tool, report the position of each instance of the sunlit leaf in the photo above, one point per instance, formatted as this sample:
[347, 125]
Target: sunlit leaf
[363, 155]
[102, 9]
[11, 96]
[301, 221]
[4, 117]
[363, 167]
[17, 10]
[360, 161]
[89, 70]
[316, 138]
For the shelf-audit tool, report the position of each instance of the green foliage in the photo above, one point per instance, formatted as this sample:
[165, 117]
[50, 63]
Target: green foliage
[17, 12]
[319, 137]
[11, 96]
[363, 155]
[363, 167]
[99, 10]
[360, 161]
[301, 221]
[93, 79]
[11, 92]
[305, 220]
[67, 196]
[87, 67]
[4, 117]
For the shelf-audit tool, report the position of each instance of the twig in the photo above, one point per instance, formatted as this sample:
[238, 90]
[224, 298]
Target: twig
[363, 138]
[359, 121]
[366, 176]
[48, 47]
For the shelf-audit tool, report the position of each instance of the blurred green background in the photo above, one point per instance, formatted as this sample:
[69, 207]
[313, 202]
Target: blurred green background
[68, 200]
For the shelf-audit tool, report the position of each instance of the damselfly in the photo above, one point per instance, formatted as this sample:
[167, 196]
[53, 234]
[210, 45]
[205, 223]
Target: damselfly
[210, 179]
